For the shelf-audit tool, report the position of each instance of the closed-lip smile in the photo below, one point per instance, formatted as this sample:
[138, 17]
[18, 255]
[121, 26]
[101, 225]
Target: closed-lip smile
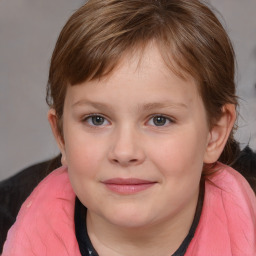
[128, 186]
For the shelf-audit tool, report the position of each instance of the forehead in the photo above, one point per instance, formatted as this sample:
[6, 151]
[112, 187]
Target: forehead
[143, 77]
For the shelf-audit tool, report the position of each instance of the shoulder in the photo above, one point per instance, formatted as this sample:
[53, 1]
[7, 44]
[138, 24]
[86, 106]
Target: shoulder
[45, 223]
[229, 183]
[227, 189]
[52, 190]
[228, 221]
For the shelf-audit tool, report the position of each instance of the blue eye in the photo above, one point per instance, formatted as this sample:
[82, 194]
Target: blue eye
[96, 120]
[159, 121]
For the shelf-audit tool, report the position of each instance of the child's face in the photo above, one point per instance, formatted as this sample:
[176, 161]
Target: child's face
[135, 143]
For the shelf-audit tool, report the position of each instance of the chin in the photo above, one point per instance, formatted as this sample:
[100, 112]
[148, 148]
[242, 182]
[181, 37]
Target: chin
[129, 219]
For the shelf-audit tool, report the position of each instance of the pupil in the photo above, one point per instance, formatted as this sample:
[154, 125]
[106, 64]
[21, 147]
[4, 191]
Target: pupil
[97, 120]
[159, 120]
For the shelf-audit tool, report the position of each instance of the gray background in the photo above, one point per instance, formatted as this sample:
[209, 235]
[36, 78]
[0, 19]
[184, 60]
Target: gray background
[28, 31]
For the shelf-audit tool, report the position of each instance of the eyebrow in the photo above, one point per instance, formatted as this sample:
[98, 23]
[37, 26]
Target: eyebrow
[146, 107]
[164, 104]
[97, 105]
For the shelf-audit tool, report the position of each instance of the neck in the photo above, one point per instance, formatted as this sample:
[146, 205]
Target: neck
[161, 239]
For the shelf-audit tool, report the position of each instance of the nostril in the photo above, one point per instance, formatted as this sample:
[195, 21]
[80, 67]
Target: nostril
[125, 162]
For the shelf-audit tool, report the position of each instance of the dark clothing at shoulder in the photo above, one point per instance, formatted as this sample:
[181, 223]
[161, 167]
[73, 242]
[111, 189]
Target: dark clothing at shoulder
[245, 163]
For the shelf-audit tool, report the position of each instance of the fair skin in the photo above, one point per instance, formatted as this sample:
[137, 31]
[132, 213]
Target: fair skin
[135, 143]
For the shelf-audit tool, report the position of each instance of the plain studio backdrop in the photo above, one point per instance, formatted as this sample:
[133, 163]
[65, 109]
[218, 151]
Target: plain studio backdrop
[28, 32]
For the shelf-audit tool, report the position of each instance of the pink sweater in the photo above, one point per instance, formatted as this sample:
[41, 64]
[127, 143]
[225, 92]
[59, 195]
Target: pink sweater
[227, 227]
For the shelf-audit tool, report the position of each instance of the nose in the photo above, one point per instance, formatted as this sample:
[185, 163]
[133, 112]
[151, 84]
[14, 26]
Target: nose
[127, 147]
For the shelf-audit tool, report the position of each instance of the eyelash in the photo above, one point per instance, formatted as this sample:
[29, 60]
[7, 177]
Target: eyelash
[167, 119]
[91, 124]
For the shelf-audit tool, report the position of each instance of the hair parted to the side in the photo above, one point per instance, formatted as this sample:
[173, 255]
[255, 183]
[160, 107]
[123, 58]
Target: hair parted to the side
[190, 38]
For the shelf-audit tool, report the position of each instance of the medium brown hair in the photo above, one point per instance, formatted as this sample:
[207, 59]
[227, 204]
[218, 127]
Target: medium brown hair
[190, 38]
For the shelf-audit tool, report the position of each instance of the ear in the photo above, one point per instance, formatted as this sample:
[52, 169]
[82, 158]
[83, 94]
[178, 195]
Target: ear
[219, 134]
[53, 120]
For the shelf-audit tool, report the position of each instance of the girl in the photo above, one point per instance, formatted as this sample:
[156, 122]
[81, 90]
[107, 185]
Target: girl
[142, 105]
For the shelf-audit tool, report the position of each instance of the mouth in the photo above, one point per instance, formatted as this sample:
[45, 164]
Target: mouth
[128, 186]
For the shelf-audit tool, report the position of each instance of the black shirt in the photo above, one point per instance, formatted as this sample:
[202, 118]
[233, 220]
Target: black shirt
[87, 249]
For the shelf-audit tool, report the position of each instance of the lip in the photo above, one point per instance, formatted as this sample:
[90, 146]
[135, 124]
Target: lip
[128, 186]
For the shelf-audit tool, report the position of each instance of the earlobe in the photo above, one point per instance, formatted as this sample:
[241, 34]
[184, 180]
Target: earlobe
[53, 121]
[219, 134]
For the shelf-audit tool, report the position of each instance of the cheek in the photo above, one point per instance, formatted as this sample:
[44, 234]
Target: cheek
[181, 154]
[84, 160]
[84, 154]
